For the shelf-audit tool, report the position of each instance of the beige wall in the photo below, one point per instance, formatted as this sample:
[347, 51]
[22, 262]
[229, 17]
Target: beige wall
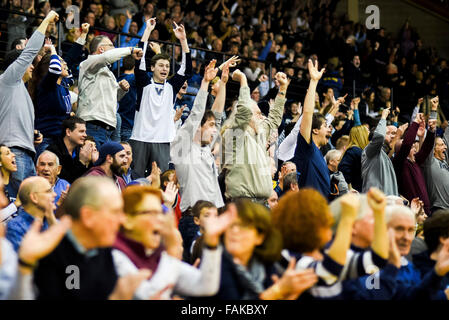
[433, 30]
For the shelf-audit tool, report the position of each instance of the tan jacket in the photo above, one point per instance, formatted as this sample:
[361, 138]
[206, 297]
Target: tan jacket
[245, 156]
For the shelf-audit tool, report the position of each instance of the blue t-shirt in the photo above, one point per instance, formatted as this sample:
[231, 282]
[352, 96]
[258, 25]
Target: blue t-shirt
[312, 166]
[18, 227]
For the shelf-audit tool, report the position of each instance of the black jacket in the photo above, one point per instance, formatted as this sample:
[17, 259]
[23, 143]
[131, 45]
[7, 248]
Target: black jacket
[58, 275]
[72, 168]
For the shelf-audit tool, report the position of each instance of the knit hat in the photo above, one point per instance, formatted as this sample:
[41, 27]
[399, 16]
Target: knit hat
[110, 148]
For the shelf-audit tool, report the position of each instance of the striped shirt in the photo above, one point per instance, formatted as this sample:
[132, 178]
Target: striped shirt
[331, 274]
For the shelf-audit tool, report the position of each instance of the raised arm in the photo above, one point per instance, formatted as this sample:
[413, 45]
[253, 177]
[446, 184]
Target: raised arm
[309, 102]
[244, 114]
[377, 202]
[17, 69]
[72, 57]
[193, 121]
[274, 118]
[375, 145]
[185, 71]
[350, 204]
[220, 100]
[409, 139]
[287, 148]
[426, 149]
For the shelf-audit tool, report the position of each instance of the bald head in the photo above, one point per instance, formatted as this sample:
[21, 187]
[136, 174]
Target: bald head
[30, 186]
[88, 191]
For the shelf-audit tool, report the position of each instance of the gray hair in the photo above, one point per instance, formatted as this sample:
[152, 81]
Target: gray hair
[331, 155]
[393, 210]
[95, 43]
[335, 207]
[51, 154]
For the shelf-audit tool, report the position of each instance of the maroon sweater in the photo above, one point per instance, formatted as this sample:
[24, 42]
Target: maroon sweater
[135, 251]
[409, 174]
[98, 171]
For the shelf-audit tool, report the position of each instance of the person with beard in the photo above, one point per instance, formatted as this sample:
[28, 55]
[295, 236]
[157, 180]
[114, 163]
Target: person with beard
[377, 168]
[110, 163]
[313, 134]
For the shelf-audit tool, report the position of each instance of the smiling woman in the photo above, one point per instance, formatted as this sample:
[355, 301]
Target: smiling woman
[149, 239]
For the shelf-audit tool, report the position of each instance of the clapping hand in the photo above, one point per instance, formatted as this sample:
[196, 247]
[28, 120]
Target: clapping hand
[35, 244]
[293, 282]
[215, 226]
[179, 112]
[170, 193]
[155, 175]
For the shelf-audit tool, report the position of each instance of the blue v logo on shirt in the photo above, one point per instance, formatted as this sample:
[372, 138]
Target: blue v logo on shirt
[159, 91]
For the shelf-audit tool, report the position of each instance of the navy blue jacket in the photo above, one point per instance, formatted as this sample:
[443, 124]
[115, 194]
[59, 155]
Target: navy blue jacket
[351, 167]
[127, 105]
[52, 105]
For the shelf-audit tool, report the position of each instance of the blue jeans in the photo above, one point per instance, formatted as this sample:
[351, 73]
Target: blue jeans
[116, 136]
[100, 134]
[41, 147]
[126, 134]
[25, 165]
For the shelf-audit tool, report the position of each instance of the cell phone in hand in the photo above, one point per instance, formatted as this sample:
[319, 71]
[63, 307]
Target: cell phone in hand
[37, 133]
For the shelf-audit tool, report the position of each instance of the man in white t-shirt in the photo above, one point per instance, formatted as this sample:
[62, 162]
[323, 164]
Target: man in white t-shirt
[154, 126]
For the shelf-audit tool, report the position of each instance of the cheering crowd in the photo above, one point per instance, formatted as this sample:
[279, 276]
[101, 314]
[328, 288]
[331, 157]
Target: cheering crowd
[304, 187]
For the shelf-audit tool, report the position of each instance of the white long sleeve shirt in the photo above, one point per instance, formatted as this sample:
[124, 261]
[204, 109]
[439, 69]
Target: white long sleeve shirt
[187, 280]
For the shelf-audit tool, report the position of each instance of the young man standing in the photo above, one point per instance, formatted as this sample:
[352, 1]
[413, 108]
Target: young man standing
[313, 134]
[154, 127]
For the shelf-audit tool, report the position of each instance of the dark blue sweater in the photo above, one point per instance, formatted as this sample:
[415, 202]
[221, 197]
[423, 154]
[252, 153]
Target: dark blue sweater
[52, 102]
[351, 167]
[127, 105]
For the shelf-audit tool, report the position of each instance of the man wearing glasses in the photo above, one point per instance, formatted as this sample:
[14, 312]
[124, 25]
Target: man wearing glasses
[99, 91]
[37, 197]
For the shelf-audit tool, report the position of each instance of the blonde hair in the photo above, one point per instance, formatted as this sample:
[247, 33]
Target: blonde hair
[358, 137]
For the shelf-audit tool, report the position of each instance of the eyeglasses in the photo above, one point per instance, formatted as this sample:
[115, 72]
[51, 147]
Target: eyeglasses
[151, 212]
[241, 226]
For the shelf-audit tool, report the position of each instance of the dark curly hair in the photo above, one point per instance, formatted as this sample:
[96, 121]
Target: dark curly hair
[299, 217]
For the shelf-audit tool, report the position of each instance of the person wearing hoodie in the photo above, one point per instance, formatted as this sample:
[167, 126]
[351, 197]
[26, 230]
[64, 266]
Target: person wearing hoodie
[110, 163]
[377, 168]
